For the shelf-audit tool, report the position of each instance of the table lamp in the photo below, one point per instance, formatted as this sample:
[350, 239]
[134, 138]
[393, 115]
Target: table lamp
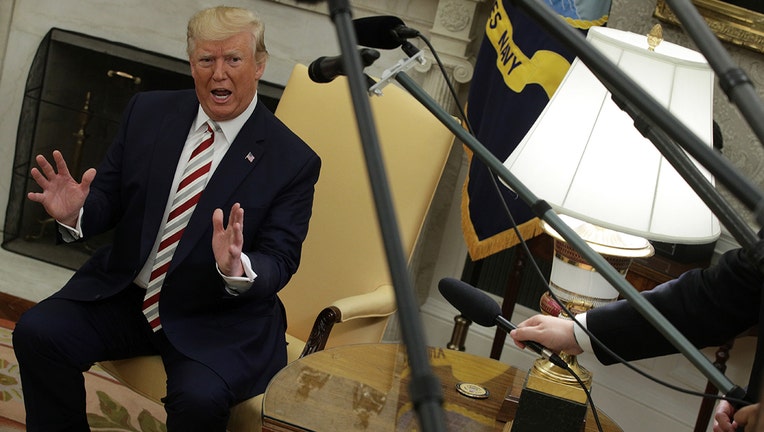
[579, 286]
[585, 158]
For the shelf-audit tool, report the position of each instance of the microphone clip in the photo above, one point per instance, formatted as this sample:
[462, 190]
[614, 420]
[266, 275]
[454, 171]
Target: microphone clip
[410, 49]
[402, 66]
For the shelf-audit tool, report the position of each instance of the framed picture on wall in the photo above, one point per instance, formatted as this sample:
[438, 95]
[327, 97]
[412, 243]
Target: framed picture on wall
[740, 22]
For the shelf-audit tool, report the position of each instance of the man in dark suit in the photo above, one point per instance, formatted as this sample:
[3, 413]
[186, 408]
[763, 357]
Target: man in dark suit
[708, 306]
[219, 325]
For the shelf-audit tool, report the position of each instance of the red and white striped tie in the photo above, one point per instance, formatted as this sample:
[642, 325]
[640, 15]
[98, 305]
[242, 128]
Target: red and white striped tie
[183, 204]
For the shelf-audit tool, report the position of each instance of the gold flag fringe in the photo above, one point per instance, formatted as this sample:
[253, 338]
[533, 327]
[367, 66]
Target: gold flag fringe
[479, 249]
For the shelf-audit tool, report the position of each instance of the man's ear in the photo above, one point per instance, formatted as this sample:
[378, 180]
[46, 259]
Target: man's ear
[259, 70]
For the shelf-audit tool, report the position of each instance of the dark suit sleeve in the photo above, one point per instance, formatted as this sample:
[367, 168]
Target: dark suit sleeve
[708, 306]
[275, 187]
[276, 247]
[103, 208]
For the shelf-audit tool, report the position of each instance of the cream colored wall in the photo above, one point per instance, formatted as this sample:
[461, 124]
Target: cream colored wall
[6, 12]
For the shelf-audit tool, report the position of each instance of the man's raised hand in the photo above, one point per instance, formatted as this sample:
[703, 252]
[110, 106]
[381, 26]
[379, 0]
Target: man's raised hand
[61, 196]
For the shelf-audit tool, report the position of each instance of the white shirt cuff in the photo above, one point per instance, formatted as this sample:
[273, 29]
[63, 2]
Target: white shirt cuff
[583, 339]
[70, 234]
[239, 284]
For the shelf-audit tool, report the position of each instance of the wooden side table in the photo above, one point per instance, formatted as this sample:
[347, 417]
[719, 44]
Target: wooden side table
[365, 387]
[647, 273]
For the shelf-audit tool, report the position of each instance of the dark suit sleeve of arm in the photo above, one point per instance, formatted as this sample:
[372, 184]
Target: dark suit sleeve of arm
[708, 306]
[278, 242]
[103, 205]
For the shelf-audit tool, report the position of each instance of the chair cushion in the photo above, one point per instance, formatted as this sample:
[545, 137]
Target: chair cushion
[145, 375]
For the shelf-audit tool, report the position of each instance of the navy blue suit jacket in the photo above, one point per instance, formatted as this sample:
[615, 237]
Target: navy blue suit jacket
[708, 306]
[240, 337]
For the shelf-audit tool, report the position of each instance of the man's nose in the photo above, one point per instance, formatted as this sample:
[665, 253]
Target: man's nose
[219, 70]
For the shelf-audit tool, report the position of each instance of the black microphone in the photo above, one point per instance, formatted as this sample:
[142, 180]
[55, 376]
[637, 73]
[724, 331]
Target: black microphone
[325, 69]
[383, 32]
[477, 307]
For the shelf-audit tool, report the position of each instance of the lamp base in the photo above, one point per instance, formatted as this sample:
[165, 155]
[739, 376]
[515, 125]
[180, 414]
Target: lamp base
[545, 368]
[548, 406]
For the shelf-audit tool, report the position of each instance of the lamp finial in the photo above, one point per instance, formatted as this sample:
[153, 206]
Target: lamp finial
[655, 37]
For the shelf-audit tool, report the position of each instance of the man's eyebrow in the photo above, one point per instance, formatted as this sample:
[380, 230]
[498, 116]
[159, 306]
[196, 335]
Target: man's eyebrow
[234, 52]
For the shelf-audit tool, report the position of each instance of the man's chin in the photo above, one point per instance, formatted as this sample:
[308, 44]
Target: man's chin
[218, 112]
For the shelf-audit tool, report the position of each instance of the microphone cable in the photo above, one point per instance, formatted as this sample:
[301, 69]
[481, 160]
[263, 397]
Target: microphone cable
[540, 274]
[589, 399]
[449, 84]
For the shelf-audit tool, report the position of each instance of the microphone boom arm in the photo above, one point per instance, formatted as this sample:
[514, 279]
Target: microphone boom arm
[424, 387]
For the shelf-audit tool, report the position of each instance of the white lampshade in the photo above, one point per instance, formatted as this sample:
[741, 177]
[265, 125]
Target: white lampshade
[586, 159]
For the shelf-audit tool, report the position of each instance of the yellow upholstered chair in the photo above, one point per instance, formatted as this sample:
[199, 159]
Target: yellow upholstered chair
[343, 275]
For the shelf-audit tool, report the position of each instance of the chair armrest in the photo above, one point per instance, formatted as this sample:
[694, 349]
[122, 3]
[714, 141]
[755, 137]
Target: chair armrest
[375, 304]
[378, 303]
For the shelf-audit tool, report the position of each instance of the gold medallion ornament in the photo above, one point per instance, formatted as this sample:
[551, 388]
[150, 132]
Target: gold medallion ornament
[470, 390]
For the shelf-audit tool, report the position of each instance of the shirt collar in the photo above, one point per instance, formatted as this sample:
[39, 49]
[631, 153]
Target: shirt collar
[230, 128]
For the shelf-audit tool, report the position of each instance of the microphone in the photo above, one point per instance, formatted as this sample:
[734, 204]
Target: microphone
[326, 69]
[478, 307]
[383, 32]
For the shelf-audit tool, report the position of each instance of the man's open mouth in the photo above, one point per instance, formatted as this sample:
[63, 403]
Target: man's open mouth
[221, 94]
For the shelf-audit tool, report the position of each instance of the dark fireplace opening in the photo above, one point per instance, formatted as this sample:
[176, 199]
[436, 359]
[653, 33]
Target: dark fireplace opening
[75, 92]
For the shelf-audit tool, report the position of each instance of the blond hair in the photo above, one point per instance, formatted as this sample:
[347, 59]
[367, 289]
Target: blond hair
[222, 22]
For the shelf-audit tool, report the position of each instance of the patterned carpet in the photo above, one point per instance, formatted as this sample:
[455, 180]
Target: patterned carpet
[110, 406]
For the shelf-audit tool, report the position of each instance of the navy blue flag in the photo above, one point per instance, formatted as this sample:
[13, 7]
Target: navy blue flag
[518, 68]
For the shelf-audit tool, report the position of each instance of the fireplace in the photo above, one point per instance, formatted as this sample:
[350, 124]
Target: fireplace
[75, 92]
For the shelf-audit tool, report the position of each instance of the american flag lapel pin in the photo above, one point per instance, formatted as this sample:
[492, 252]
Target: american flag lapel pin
[249, 157]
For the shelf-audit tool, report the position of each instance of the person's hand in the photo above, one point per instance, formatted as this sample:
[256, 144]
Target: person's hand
[727, 419]
[723, 417]
[61, 196]
[747, 417]
[228, 241]
[554, 333]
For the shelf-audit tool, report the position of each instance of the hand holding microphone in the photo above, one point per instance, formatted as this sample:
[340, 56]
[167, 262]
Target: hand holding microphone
[555, 333]
[481, 309]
